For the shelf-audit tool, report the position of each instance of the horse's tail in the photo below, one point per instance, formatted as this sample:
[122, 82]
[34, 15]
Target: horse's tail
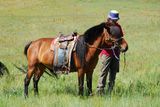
[26, 48]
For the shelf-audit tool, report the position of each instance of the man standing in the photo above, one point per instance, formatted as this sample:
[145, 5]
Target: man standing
[110, 58]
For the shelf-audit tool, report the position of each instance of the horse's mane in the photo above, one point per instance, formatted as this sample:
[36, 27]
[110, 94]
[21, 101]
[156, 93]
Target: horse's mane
[93, 32]
[89, 35]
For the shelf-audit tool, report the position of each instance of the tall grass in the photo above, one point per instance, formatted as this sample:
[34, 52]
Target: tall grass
[136, 85]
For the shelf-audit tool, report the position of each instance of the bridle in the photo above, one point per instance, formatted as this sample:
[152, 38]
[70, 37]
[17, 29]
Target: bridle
[109, 39]
[111, 48]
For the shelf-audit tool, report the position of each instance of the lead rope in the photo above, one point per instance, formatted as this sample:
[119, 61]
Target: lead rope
[115, 54]
[124, 61]
[119, 58]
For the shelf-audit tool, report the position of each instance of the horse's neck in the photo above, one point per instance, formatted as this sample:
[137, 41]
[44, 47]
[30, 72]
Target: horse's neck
[94, 48]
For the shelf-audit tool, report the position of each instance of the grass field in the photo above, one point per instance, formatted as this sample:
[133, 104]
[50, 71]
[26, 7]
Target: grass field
[138, 85]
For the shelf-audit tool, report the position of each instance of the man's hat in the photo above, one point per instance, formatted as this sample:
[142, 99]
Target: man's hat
[113, 14]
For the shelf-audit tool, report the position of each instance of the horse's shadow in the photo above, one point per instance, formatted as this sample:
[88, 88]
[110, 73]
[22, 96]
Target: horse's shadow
[70, 91]
[66, 89]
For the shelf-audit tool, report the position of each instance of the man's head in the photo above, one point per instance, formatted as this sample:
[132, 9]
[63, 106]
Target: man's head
[113, 16]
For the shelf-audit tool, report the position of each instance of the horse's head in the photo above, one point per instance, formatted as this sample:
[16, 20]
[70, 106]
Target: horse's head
[113, 37]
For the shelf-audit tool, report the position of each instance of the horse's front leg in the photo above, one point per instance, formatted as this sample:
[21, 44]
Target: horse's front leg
[89, 82]
[81, 82]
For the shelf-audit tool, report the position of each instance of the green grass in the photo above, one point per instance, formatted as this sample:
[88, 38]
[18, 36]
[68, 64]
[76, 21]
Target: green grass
[138, 85]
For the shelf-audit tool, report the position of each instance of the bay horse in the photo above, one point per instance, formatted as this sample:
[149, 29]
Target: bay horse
[85, 57]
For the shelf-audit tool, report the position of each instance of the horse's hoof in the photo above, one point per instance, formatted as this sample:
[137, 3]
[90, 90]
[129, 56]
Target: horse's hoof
[80, 94]
[25, 96]
[100, 92]
[36, 94]
[91, 94]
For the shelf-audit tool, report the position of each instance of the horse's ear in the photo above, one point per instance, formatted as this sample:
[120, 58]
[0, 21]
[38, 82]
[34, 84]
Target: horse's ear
[74, 33]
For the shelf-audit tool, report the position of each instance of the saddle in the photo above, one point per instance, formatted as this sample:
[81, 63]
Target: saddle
[63, 46]
[65, 39]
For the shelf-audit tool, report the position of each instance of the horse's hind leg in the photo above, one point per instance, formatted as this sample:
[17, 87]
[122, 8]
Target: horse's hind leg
[27, 79]
[37, 75]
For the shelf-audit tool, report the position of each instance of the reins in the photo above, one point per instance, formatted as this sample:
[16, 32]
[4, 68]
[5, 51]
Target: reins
[111, 48]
